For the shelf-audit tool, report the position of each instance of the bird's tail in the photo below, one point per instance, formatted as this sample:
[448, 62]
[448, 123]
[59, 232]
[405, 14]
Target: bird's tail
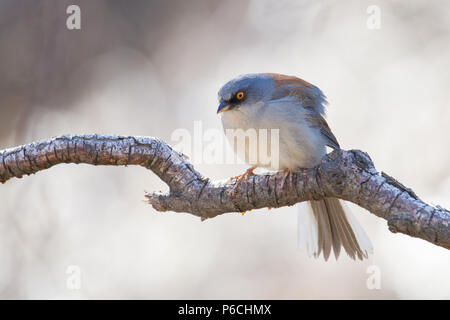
[325, 225]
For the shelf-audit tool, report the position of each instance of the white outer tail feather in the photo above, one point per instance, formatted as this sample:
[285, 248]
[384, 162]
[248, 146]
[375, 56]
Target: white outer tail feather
[308, 231]
[361, 236]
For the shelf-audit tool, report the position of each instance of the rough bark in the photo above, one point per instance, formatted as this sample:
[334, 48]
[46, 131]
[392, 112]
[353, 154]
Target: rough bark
[348, 175]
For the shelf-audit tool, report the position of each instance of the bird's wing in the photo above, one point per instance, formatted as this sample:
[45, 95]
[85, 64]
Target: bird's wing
[310, 97]
[317, 121]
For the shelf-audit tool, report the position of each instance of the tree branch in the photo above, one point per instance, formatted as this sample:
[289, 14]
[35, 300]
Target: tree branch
[348, 175]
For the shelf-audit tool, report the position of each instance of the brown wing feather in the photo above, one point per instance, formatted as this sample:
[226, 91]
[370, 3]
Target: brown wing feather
[310, 97]
[282, 80]
[296, 87]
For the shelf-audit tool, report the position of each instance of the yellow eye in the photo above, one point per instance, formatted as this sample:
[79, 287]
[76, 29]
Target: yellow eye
[240, 95]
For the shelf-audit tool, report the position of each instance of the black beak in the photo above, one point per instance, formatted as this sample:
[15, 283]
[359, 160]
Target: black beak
[223, 106]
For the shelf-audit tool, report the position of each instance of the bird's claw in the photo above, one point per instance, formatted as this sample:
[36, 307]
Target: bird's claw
[247, 174]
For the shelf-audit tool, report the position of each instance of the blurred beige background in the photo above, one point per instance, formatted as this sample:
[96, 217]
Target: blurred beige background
[150, 67]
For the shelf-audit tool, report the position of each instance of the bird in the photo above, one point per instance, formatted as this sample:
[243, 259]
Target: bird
[297, 109]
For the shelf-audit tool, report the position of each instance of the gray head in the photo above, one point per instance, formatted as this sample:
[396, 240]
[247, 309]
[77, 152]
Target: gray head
[244, 90]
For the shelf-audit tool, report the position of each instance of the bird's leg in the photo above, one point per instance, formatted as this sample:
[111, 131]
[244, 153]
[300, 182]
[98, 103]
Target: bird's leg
[248, 173]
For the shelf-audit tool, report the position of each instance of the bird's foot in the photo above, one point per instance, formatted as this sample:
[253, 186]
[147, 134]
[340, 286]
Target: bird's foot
[247, 174]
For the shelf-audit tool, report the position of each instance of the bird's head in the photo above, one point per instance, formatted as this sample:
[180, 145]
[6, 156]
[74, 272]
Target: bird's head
[251, 90]
[245, 91]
